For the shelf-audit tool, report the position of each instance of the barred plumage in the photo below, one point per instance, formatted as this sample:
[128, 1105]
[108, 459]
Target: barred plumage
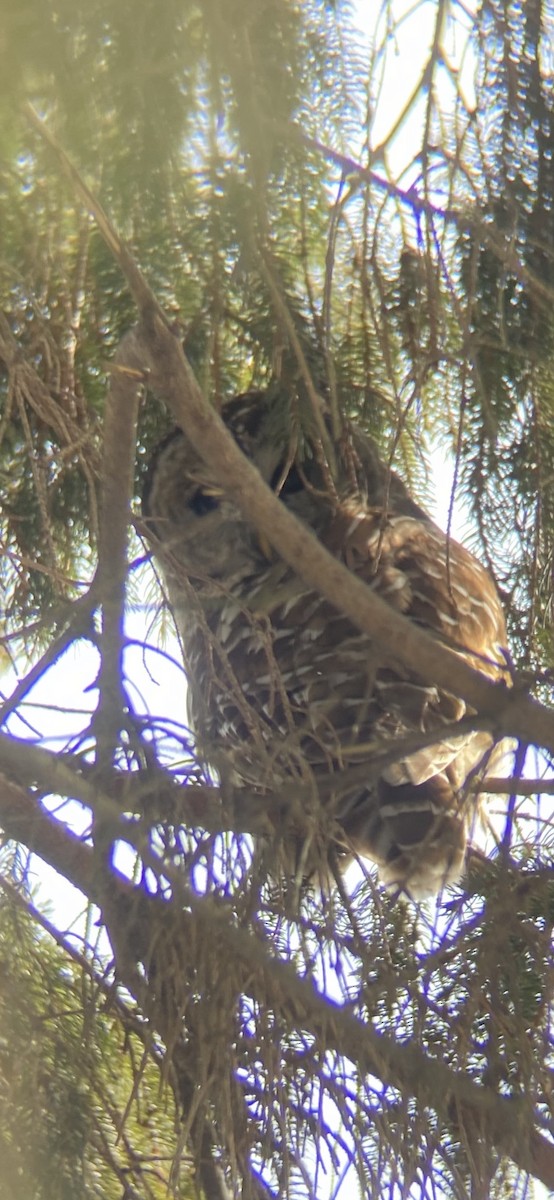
[286, 695]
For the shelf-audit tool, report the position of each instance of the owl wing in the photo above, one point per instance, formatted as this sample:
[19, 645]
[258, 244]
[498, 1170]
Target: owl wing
[417, 824]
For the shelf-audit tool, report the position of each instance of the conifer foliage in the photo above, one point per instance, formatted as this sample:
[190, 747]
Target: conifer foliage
[198, 199]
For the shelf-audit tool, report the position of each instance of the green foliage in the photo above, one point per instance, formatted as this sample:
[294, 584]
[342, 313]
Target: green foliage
[507, 275]
[176, 116]
[44, 1095]
[81, 1110]
[222, 138]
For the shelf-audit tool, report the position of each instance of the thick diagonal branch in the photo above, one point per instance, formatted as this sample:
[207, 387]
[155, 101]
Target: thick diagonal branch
[512, 713]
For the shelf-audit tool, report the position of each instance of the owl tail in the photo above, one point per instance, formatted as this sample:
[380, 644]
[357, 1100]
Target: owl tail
[418, 836]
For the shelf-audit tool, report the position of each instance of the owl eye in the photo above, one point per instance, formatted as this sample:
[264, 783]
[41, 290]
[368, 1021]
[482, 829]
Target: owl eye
[292, 484]
[203, 502]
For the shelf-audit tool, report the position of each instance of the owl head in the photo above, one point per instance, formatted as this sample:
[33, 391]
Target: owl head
[203, 532]
[200, 529]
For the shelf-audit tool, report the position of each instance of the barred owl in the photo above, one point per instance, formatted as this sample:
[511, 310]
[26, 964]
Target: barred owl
[286, 696]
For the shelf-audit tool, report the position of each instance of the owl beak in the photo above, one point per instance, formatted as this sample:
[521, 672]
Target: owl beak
[216, 492]
[263, 541]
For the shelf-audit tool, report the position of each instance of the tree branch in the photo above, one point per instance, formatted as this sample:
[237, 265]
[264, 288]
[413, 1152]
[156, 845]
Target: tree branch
[118, 462]
[137, 922]
[110, 793]
[24, 820]
[77, 615]
[512, 713]
[515, 787]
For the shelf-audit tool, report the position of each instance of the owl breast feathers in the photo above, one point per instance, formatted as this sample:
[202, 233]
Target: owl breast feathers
[287, 697]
